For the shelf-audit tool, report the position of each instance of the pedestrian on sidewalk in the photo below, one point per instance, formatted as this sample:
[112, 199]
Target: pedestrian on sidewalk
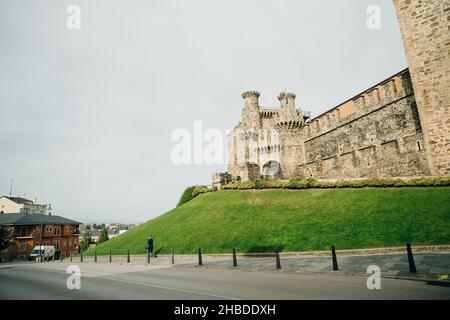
[150, 246]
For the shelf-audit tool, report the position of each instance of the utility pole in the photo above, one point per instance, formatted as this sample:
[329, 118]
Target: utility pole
[11, 186]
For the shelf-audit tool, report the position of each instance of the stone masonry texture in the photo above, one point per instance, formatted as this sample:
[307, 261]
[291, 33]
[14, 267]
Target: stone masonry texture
[425, 28]
[398, 128]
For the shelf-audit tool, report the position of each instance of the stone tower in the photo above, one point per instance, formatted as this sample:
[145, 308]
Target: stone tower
[250, 113]
[289, 124]
[426, 38]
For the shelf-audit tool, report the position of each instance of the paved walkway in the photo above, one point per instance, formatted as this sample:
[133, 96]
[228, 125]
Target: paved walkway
[429, 265]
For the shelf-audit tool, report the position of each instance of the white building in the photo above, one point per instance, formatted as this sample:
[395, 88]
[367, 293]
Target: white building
[20, 205]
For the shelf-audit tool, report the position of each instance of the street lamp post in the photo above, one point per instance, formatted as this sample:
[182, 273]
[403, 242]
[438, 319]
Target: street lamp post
[40, 240]
[49, 206]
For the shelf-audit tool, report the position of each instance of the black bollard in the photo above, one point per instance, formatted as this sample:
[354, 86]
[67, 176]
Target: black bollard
[277, 259]
[148, 256]
[95, 256]
[412, 264]
[128, 257]
[173, 258]
[71, 257]
[81, 256]
[110, 257]
[234, 258]
[200, 262]
[333, 254]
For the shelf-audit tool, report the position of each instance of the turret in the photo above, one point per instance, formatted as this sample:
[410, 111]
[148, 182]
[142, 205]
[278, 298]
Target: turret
[291, 139]
[289, 115]
[251, 112]
[287, 100]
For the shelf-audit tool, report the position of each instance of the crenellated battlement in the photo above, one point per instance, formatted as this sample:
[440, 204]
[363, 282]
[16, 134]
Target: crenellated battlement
[350, 140]
[288, 95]
[267, 113]
[292, 124]
[387, 130]
[249, 94]
[382, 94]
[268, 149]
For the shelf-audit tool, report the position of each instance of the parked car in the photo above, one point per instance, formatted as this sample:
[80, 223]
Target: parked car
[47, 252]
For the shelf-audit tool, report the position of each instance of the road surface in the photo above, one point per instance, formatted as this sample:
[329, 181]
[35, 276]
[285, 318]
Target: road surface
[121, 281]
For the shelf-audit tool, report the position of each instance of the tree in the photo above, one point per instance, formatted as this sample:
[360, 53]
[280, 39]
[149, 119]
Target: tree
[103, 235]
[6, 237]
[86, 240]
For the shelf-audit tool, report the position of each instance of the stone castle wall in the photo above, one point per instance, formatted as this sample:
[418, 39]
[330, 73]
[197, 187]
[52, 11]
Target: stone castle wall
[381, 138]
[398, 128]
[379, 134]
[425, 28]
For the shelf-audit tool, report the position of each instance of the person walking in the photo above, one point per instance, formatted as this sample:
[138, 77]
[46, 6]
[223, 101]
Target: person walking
[150, 246]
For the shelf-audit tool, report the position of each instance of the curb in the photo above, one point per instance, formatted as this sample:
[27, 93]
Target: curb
[441, 283]
[325, 253]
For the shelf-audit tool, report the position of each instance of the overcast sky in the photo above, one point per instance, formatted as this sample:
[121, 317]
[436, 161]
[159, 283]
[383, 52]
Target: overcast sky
[86, 116]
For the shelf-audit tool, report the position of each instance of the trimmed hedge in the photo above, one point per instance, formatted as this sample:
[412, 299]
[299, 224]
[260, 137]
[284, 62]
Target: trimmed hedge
[193, 191]
[186, 196]
[241, 185]
[199, 190]
[298, 183]
[270, 184]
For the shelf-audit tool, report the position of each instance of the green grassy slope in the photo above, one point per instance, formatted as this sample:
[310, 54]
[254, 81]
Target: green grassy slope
[298, 220]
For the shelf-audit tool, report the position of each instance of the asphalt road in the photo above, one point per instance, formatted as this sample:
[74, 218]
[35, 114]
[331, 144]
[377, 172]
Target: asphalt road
[122, 281]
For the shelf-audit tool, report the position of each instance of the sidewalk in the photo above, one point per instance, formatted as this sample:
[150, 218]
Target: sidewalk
[431, 266]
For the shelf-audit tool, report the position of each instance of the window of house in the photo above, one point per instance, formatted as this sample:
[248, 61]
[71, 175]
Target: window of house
[56, 244]
[65, 243]
[57, 231]
[23, 231]
[23, 247]
[70, 242]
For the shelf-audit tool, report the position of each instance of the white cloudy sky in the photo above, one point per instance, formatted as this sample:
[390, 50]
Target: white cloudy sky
[86, 115]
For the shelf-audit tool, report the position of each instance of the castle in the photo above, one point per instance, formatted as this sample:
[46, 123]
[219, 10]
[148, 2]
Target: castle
[398, 128]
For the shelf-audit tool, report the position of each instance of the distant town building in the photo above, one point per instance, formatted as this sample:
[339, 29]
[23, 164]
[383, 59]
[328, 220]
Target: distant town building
[57, 231]
[112, 233]
[95, 235]
[21, 205]
[114, 230]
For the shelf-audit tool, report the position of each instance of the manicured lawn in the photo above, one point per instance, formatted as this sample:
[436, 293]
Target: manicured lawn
[296, 220]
